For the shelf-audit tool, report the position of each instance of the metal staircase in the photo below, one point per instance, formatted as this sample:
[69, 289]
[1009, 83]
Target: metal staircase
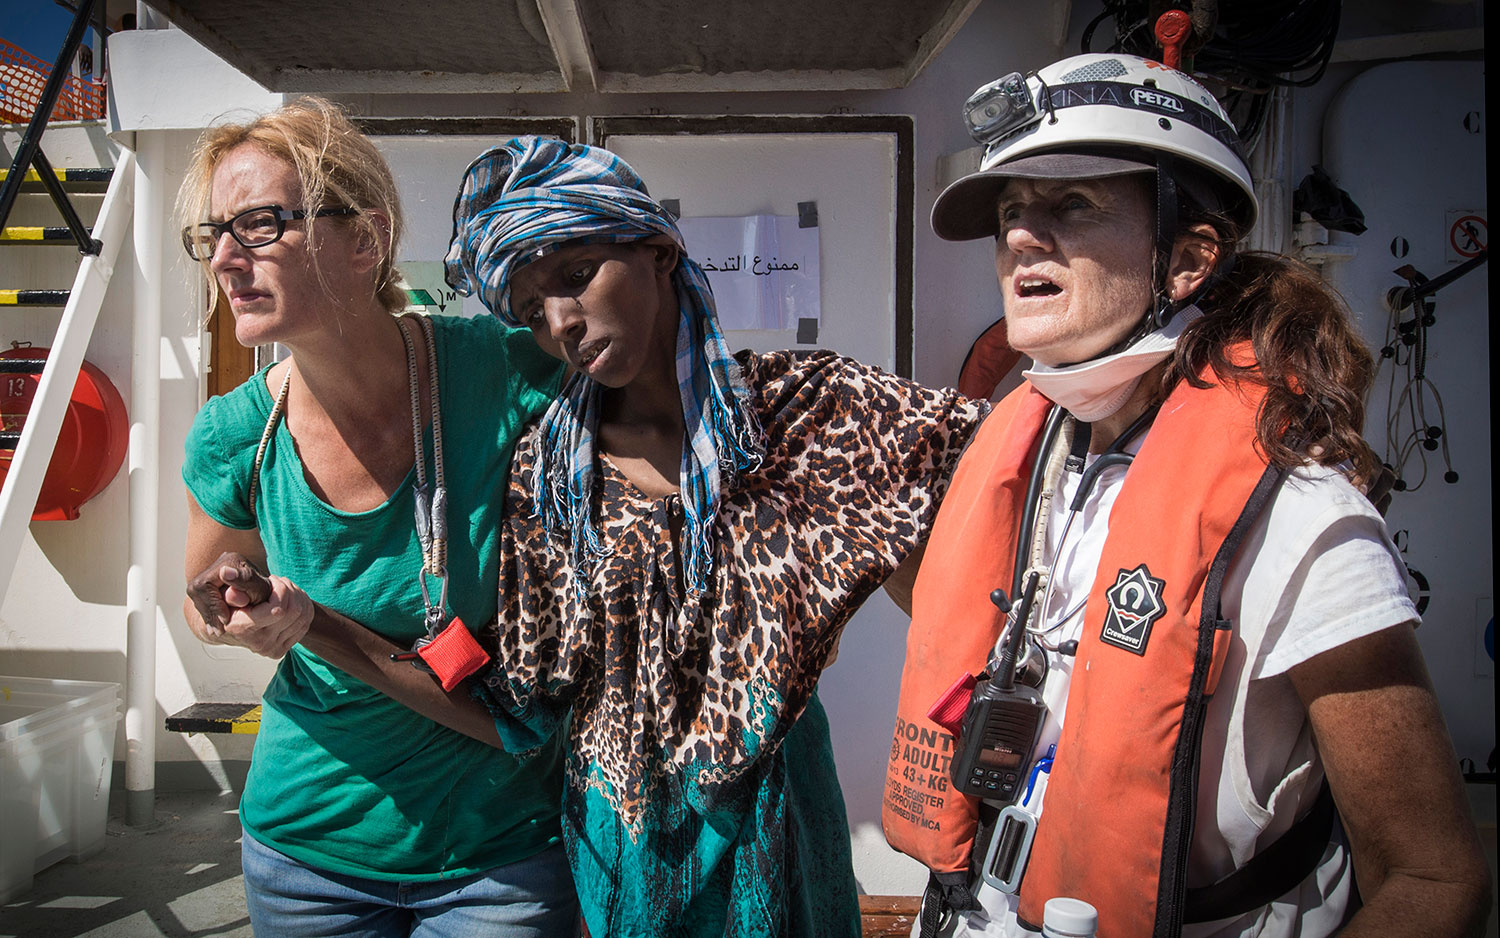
[99, 247]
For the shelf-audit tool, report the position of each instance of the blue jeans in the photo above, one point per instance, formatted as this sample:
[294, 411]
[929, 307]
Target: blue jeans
[532, 898]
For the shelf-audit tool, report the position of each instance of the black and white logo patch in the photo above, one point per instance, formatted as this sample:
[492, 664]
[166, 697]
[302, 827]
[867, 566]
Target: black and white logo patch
[1152, 98]
[1134, 606]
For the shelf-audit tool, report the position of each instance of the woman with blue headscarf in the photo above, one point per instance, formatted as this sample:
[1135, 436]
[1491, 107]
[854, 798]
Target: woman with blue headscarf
[685, 534]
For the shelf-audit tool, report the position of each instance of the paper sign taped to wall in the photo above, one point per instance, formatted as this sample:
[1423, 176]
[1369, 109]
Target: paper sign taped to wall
[763, 268]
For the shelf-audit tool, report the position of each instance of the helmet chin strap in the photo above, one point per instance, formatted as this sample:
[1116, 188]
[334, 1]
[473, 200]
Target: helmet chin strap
[1169, 199]
[1166, 239]
[1149, 322]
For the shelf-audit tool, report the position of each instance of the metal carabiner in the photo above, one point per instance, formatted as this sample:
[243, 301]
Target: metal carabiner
[434, 613]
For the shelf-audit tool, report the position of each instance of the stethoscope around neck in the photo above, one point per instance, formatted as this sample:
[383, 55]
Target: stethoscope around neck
[1026, 574]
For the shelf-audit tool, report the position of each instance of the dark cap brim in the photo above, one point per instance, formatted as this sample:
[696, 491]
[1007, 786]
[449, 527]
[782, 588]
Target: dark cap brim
[966, 209]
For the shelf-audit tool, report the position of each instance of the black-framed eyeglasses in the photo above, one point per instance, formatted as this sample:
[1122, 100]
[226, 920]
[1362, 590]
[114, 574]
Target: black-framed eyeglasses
[252, 228]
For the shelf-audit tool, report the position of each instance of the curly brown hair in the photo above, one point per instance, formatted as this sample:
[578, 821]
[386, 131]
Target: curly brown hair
[1314, 365]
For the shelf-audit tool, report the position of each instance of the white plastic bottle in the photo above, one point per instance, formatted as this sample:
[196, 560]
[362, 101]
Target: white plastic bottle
[1065, 917]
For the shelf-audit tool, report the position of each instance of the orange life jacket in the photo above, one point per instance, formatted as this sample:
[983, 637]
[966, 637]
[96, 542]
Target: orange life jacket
[1117, 820]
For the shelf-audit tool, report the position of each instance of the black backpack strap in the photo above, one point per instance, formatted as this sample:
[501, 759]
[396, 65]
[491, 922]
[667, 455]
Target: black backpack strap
[1273, 872]
[946, 893]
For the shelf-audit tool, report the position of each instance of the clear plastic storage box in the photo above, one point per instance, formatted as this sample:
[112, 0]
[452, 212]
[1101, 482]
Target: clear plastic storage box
[57, 741]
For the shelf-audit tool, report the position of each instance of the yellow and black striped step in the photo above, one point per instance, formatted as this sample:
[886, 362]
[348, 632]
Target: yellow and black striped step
[216, 718]
[33, 297]
[36, 234]
[74, 180]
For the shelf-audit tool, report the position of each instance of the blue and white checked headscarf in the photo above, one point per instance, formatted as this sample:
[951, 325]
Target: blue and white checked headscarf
[530, 193]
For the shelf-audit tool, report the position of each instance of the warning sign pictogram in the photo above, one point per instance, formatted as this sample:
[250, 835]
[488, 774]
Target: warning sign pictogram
[1467, 236]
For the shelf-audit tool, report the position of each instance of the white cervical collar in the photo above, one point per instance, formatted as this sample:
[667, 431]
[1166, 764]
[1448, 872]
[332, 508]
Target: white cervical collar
[1096, 389]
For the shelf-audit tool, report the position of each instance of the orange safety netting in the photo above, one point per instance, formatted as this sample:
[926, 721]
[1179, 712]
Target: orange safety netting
[22, 78]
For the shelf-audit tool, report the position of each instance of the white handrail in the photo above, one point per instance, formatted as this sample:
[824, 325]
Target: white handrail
[28, 467]
[141, 607]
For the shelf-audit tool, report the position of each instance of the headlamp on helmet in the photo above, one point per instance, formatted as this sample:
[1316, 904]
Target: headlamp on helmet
[1003, 106]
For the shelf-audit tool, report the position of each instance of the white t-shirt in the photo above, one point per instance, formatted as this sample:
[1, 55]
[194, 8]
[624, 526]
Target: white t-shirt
[1316, 571]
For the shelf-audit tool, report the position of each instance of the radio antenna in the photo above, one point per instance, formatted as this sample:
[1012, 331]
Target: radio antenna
[1003, 674]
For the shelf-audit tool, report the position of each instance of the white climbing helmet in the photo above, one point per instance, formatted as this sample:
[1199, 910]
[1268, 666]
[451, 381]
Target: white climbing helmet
[1092, 116]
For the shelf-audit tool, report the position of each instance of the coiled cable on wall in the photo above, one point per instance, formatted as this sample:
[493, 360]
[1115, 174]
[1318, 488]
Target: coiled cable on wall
[1244, 49]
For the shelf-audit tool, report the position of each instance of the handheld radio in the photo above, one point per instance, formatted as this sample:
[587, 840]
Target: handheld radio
[1003, 719]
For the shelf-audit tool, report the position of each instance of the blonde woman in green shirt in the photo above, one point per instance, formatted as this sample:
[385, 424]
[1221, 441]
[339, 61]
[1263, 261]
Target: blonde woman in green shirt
[361, 816]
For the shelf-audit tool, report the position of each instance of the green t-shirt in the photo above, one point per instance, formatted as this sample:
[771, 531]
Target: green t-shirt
[344, 778]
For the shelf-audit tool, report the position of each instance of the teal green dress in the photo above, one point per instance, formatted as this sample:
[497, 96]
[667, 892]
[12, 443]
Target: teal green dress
[343, 778]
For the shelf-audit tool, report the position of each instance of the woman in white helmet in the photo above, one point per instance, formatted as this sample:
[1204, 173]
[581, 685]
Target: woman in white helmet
[1206, 603]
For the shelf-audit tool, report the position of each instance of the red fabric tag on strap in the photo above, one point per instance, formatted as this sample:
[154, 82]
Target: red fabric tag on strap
[454, 654]
[948, 711]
